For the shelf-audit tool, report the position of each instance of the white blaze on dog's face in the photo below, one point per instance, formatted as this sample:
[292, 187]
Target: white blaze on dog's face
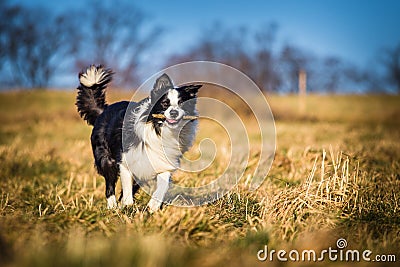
[174, 112]
[173, 103]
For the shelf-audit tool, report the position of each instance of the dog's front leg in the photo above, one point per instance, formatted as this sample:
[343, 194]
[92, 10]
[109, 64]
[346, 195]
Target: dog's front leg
[158, 195]
[126, 183]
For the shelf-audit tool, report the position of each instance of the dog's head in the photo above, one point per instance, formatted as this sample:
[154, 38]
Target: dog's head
[172, 102]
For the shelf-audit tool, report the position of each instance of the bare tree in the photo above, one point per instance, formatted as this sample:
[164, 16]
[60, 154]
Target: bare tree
[292, 60]
[229, 46]
[36, 45]
[391, 63]
[6, 15]
[250, 53]
[32, 44]
[275, 70]
[332, 74]
[217, 43]
[115, 34]
[265, 62]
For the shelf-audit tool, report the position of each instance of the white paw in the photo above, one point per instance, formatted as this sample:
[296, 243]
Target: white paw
[154, 205]
[127, 201]
[112, 202]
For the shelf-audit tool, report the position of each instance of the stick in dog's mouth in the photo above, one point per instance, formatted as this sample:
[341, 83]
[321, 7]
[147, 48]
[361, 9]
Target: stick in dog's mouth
[186, 117]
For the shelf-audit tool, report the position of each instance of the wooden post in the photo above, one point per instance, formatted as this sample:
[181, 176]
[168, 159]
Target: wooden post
[302, 90]
[302, 82]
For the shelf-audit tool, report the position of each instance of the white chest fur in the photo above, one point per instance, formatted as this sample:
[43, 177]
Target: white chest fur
[155, 154]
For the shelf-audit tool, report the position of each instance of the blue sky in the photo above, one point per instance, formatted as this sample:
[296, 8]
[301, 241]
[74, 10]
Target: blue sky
[354, 30]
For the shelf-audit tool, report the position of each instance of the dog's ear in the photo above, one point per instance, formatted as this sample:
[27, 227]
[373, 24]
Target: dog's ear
[192, 89]
[162, 84]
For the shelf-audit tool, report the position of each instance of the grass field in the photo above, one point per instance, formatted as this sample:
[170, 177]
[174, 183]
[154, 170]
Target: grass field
[336, 174]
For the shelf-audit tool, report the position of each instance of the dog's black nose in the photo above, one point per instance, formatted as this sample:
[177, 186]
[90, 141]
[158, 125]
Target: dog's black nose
[174, 113]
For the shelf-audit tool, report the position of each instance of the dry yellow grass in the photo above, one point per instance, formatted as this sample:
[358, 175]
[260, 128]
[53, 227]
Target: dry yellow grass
[336, 174]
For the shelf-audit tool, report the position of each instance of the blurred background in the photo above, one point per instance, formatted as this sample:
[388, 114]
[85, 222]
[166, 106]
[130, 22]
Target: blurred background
[340, 46]
[336, 168]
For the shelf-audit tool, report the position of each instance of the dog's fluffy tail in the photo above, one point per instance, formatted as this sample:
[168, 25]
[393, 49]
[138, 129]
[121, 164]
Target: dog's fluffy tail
[91, 99]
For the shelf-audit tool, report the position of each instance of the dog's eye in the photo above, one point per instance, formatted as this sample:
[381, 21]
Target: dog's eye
[180, 102]
[165, 103]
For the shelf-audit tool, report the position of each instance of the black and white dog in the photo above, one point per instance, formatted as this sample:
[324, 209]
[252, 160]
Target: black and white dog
[156, 133]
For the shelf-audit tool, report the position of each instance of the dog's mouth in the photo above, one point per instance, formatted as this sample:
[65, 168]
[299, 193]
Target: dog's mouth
[172, 121]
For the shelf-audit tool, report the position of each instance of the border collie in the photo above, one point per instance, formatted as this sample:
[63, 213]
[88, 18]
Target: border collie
[137, 141]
